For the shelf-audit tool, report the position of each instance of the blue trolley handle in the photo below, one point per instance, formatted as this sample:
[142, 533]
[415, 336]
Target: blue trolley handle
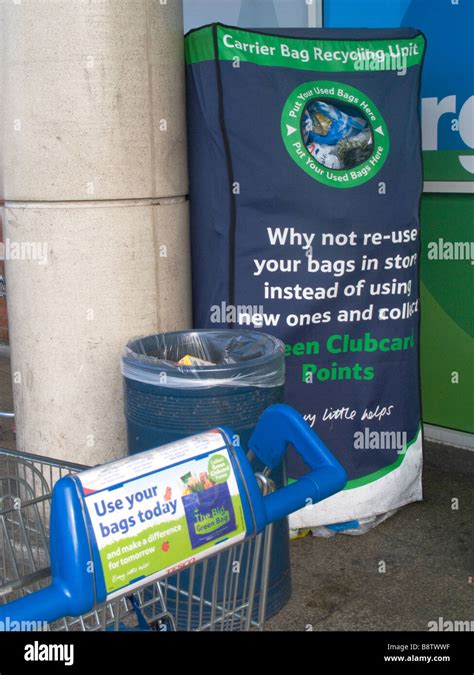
[278, 426]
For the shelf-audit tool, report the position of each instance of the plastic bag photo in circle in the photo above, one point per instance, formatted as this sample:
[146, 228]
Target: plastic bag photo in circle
[338, 137]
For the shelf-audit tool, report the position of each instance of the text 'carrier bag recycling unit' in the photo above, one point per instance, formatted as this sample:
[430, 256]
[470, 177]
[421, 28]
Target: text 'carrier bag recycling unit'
[305, 166]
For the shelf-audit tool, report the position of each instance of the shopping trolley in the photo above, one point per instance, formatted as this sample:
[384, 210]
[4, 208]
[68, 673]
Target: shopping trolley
[217, 593]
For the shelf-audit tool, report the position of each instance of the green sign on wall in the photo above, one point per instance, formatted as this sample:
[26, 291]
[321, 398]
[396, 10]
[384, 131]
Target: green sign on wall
[447, 316]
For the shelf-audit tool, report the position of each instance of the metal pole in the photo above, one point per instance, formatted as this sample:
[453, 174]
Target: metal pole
[315, 13]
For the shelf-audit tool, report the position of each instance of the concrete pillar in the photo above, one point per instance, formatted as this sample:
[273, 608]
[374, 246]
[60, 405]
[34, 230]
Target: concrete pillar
[93, 156]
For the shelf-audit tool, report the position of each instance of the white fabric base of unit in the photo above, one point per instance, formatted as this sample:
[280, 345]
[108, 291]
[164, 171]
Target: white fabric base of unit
[397, 488]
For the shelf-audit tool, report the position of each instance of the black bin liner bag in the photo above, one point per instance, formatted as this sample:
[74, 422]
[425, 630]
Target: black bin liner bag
[306, 177]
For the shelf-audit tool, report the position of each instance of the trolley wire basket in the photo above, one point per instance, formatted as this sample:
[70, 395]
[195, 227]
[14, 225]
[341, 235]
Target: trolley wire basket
[193, 598]
[58, 570]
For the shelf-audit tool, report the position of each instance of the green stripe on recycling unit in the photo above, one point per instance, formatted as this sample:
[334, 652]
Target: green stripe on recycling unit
[199, 46]
[301, 53]
[380, 473]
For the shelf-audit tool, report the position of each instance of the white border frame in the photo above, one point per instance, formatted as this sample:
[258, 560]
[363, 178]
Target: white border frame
[459, 439]
[453, 187]
[315, 13]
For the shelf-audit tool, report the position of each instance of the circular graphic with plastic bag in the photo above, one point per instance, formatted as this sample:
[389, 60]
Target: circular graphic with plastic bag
[335, 133]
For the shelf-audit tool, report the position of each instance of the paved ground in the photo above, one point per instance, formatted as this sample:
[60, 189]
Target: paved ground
[427, 548]
[428, 551]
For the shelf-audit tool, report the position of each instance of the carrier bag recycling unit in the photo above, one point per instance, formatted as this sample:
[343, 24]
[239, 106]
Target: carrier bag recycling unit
[118, 527]
[305, 168]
